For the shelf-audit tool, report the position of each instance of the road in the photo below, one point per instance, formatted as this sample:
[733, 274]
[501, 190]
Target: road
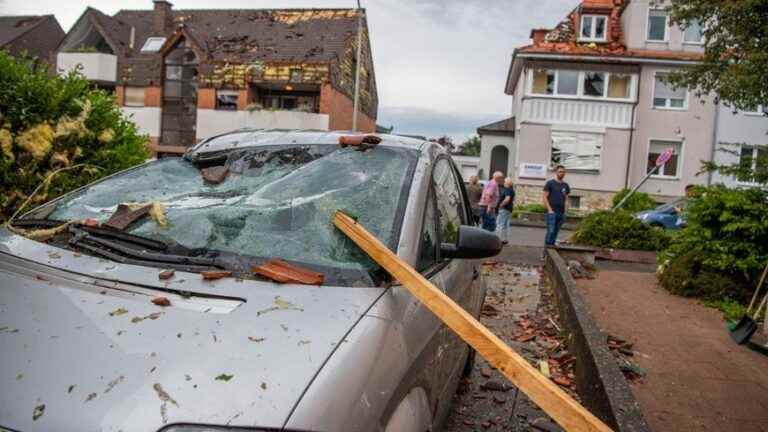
[485, 400]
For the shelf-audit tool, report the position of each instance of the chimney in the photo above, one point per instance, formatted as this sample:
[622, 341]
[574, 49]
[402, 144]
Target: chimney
[162, 19]
[538, 36]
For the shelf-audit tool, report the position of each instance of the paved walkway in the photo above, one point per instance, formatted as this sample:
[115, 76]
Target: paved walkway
[697, 378]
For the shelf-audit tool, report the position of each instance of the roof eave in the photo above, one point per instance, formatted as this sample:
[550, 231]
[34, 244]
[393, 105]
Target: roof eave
[603, 58]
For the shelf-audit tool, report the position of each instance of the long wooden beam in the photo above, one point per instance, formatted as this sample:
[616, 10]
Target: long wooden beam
[546, 394]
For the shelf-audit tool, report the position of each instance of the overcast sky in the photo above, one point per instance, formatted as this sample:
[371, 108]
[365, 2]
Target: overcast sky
[440, 64]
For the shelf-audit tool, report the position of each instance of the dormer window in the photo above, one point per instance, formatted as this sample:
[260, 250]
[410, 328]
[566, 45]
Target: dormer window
[593, 28]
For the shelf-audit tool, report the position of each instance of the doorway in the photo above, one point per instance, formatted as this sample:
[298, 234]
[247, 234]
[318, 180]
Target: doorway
[499, 160]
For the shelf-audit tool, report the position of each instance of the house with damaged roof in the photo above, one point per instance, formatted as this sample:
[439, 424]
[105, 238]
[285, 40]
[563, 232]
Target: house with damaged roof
[185, 75]
[32, 35]
[590, 94]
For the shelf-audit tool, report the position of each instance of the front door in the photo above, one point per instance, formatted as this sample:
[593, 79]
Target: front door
[499, 160]
[179, 120]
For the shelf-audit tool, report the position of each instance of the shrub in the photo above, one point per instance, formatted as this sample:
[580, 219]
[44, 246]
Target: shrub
[638, 202]
[726, 237]
[619, 230]
[47, 123]
[533, 208]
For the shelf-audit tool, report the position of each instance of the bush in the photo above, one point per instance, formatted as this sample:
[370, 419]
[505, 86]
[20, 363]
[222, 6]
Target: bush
[619, 230]
[533, 208]
[48, 123]
[638, 202]
[726, 237]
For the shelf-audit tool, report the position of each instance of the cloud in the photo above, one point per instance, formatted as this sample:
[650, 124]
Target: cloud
[433, 123]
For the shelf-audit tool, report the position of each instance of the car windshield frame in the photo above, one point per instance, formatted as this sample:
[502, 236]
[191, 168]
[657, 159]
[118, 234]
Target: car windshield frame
[399, 184]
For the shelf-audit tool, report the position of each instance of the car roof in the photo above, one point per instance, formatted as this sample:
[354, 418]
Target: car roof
[260, 137]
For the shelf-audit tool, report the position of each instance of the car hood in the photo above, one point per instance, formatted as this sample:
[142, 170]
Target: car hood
[82, 347]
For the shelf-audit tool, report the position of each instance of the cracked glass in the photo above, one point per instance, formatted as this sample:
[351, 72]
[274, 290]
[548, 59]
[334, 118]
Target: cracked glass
[277, 202]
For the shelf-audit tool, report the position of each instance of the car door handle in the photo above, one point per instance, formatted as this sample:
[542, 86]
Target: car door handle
[475, 273]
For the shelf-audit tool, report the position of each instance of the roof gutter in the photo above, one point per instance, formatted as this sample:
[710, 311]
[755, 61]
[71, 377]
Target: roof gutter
[601, 59]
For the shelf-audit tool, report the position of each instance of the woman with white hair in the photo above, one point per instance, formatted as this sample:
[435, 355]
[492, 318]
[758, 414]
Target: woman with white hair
[506, 202]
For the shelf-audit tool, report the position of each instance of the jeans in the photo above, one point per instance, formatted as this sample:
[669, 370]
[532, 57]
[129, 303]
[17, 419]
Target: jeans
[488, 219]
[554, 222]
[502, 224]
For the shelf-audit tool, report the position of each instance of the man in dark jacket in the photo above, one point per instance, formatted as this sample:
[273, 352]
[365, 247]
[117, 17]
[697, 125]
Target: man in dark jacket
[555, 199]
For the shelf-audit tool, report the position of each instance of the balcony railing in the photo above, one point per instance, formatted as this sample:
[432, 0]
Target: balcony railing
[579, 112]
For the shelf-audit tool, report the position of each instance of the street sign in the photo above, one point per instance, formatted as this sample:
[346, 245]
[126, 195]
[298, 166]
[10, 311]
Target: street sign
[665, 157]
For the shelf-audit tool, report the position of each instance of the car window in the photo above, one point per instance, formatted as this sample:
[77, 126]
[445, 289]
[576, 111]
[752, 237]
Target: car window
[450, 207]
[277, 201]
[429, 243]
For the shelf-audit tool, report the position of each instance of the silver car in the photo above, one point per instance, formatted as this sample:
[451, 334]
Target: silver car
[84, 348]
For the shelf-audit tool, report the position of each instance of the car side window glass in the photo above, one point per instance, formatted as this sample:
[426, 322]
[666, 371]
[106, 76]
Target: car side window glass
[450, 207]
[428, 246]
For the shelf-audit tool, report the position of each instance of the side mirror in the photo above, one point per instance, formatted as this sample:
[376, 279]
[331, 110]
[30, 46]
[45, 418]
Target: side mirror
[472, 243]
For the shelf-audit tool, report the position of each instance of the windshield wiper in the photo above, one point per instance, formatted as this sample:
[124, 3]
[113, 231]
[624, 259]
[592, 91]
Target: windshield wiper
[124, 253]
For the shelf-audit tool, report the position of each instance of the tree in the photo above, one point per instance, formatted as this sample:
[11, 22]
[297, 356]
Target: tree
[446, 142]
[734, 67]
[735, 64]
[471, 147]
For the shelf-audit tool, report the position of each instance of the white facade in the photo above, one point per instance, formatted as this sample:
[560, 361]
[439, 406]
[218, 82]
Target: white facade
[147, 119]
[467, 165]
[498, 143]
[738, 133]
[94, 66]
[215, 122]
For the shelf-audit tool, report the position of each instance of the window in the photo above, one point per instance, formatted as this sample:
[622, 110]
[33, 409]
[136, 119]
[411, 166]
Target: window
[748, 158]
[134, 97]
[567, 82]
[693, 33]
[570, 83]
[672, 167]
[574, 202]
[227, 100]
[664, 96]
[576, 150]
[543, 82]
[619, 86]
[153, 44]
[593, 28]
[657, 25]
[450, 207]
[594, 84]
[429, 242]
[296, 75]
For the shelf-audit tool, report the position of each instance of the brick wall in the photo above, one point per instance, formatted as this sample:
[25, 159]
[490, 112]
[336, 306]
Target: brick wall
[206, 98]
[120, 95]
[153, 96]
[339, 109]
[244, 99]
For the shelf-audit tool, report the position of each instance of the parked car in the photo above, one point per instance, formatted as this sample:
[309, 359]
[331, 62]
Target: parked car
[84, 348]
[667, 216]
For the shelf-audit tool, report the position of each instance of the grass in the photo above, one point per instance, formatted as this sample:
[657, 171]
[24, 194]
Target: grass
[731, 309]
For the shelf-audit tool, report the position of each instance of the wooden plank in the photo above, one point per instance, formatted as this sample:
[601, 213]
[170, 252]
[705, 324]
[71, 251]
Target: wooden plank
[546, 394]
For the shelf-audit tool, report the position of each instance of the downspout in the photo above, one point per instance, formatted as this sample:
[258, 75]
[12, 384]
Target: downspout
[714, 143]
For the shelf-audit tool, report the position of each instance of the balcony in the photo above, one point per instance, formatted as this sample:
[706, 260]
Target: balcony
[96, 66]
[577, 112]
[214, 122]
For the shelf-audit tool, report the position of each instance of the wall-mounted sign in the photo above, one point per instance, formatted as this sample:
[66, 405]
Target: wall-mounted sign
[533, 170]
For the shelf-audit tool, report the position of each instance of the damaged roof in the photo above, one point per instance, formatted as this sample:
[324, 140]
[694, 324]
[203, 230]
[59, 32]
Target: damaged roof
[501, 127]
[13, 27]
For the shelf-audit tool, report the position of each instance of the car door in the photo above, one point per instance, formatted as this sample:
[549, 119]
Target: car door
[456, 276]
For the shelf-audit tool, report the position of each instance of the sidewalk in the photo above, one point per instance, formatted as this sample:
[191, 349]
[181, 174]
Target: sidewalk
[697, 377]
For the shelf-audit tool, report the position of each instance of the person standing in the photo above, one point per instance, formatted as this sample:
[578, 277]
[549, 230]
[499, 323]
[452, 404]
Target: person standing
[489, 200]
[556, 193]
[506, 201]
[475, 192]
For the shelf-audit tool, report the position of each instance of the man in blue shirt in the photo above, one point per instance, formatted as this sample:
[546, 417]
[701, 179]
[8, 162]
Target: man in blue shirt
[556, 193]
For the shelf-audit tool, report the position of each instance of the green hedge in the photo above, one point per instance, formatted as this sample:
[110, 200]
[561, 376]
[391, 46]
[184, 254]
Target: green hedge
[48, 123]
[619, 230]
[639, 201]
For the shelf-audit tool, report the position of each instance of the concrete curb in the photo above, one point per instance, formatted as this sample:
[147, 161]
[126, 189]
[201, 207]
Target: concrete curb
[539, 224]
[601, 385]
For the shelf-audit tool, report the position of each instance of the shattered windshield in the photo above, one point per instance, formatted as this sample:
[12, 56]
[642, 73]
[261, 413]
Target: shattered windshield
[275, 201]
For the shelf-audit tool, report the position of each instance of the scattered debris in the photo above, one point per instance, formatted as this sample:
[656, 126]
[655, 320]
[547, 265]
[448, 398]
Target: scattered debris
[215, 175]
[19, 376]
[542, 424]
[70, 388]
[54, 255]
[304, 342]
[263, 386]
[166, 274]
[152, 316]
[118, 312]
[165, 398]
[41, 278]
[113, 383]
[125, 216]
[215, 274]
[495, 386]
[360, 142]
[489, 310]
[161, 301]
[187, 377]
[91, 223]
[486, 372]
[544, 368]
[283, 272]
[90, 397]
[38, 412]
[621, 349]
[157, 213]
[578, 271]
[280, 304]
[224, 377]
[255, 339]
